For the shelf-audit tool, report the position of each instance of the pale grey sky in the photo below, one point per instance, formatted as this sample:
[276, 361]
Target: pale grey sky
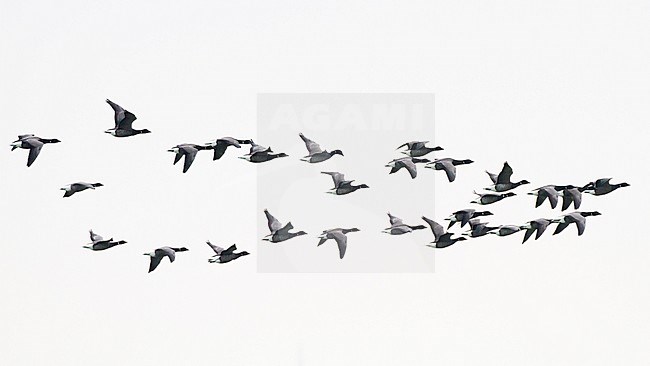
[559, 89]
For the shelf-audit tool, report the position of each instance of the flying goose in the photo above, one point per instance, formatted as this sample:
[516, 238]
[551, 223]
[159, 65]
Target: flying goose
[418, 148]
[408, 163]
[398, 227]
[99, 243]
[442, 239]
[602, 186]
[316, 154]
[578, 218]
[123, 122]
[73, 188]
[342, 186]
[225, 255]
[339, 235]
[448, 165]
[261, 154]
[502, 181]
[488, 198]
[220, 145]
[538, 225]
[187, 150]
[570, 194]
[478, 228]
[545, 192]
[33, 143]
[279, 233]
[463, 216]
[157, 255]
[505, 230]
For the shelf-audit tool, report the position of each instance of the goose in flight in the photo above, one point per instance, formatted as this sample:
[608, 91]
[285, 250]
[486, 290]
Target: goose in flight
[570, 194]
[261, 154]
[279, 233]
[408, 163]
[542, 193]
[342, 186]
[123, 122]
[478, 228]
[316, 154]
[442, 239]
[398, 227]
[448, 165]
[340, 236]
[489, 198]
[538, 225]
[225, 255]
[33, 143]
[187, 150]
[505, 230]
[220, 145]
[157, 255]
[502, 181]
[73, 188]
[99, 243]
[463, 216]
[602, 186]
[418, 148]
[578, 218]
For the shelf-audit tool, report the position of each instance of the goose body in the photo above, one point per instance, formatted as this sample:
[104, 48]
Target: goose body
[418, 148]
[225, 255]
[442, 239]
[188, 151]
[398, 227]
[220, 145]
[502, 182]
[505, 230]
[157, 255]
[340, 236]
[408, 163]
[478, 228]
[279, 233]
[448, 165]
[533, 226]
[342, 186]
[123, 122]
[578, 218]
[489, 198]
[546, 192]
[32, 143]
[316, 154]
[603, 186]
[99, 243]
[463, 216]
[79, 187]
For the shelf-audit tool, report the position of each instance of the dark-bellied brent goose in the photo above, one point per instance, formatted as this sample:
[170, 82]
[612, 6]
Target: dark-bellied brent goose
[398, 227]
[448, 165]
[342, 186]
[442, 239]
[316, 154]
[279, 233]
[501, 182]
[99, 243]
[418, 148]
[33, 143]
[157, 255]
[123, 122]
[73, 188]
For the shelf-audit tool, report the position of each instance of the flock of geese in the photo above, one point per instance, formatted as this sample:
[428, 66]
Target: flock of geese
[414, 152]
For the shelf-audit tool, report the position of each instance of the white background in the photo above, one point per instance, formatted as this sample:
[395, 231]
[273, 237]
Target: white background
[559, 89]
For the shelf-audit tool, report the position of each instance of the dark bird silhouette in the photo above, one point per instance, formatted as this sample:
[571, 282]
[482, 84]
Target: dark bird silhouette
[442, 239]
[33, 143]
[502, 181]
[123, 122]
